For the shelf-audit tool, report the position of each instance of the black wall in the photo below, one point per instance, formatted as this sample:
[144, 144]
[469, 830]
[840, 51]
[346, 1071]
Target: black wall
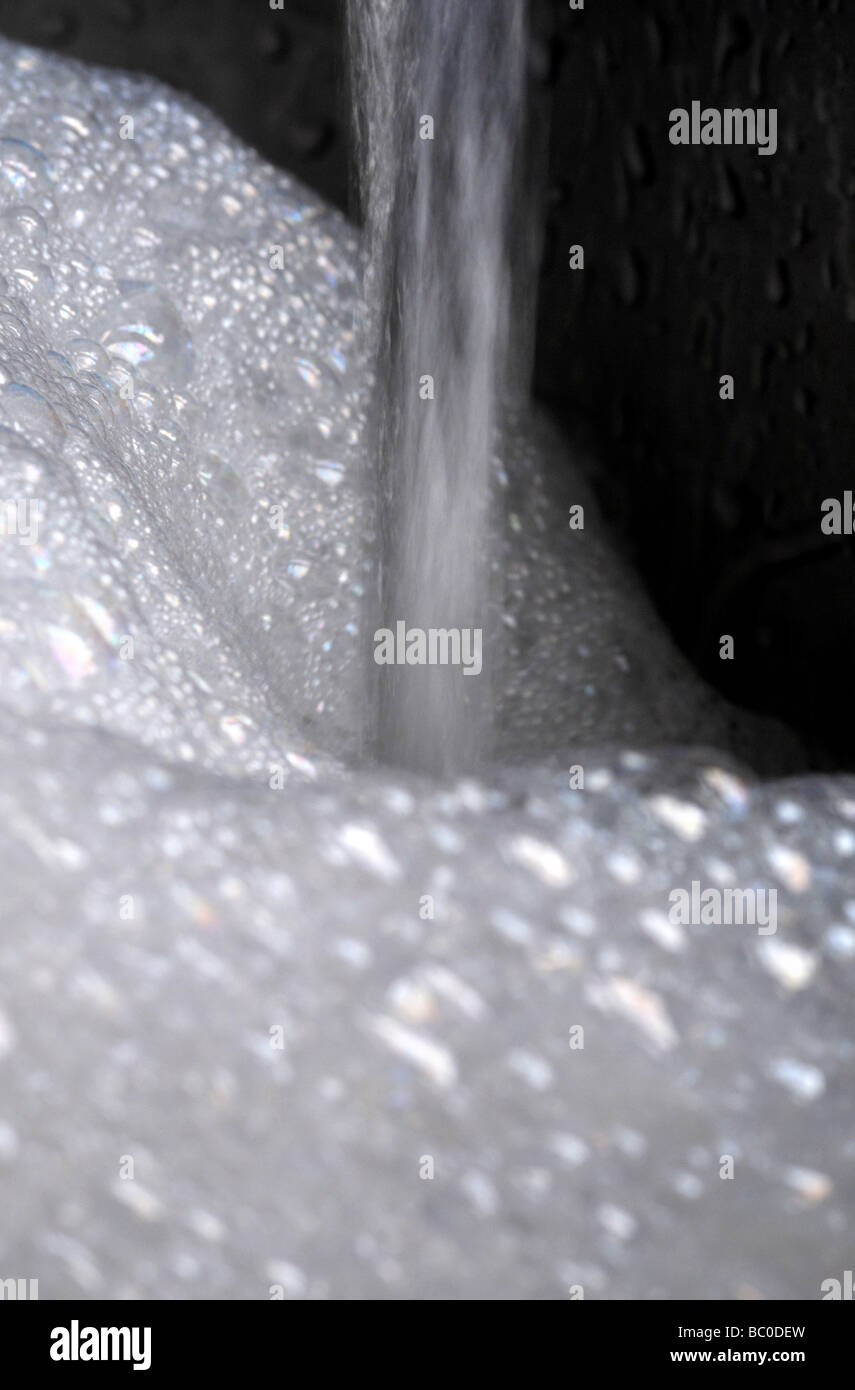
[702, 261]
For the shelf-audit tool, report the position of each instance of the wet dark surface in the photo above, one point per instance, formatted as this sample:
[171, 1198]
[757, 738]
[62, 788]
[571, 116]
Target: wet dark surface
[700, 262]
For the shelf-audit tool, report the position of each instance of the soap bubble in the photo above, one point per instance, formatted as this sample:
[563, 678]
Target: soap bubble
[145, 331]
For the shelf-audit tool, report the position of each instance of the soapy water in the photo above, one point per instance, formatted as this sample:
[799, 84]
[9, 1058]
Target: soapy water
[275, 974]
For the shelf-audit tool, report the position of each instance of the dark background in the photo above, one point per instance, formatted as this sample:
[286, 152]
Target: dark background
[699, 262]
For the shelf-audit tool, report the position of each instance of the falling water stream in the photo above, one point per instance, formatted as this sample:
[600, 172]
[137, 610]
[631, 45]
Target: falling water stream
[439, 90]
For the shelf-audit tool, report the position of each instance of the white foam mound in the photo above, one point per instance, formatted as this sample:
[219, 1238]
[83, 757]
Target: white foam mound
[279, 980]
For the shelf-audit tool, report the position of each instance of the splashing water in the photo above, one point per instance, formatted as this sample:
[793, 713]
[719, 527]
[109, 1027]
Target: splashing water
[439, 92]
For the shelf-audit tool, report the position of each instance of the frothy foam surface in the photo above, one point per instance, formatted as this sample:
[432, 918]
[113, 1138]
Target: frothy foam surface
[218, 955]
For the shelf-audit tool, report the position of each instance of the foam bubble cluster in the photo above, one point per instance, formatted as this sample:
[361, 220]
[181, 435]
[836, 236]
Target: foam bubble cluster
[278, 979]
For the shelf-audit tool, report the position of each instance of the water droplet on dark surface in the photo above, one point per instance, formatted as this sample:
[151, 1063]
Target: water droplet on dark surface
[778, 283]
[729, 191]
